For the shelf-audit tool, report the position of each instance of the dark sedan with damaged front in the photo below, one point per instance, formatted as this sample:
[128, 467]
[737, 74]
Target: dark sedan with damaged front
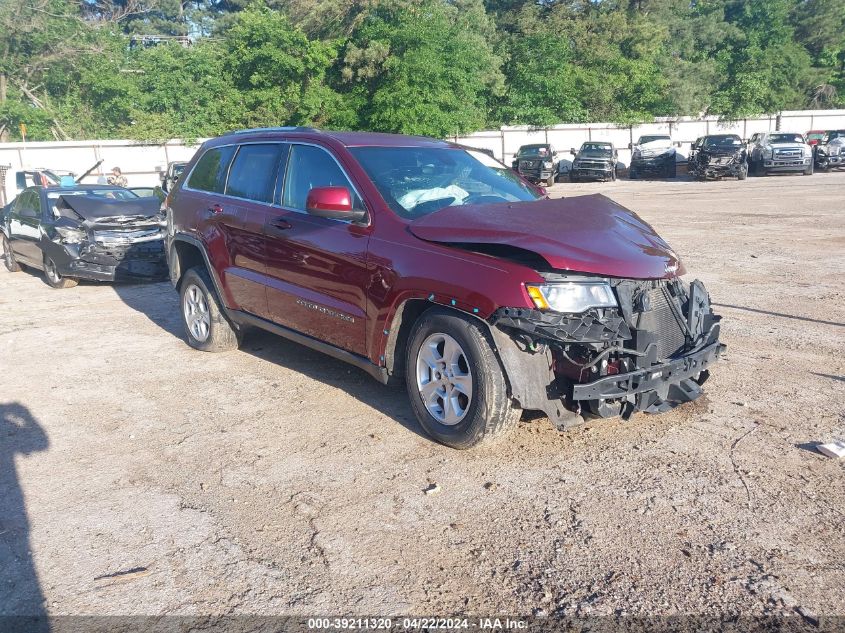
[94, 233]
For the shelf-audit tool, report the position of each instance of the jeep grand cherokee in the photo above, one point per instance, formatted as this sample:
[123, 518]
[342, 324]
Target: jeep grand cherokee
[418, 259]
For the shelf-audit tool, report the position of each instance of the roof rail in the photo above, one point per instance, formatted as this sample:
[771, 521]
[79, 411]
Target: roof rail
[289, 128]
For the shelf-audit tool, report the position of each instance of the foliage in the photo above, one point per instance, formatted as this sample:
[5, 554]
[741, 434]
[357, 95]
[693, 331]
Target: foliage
[436, 67]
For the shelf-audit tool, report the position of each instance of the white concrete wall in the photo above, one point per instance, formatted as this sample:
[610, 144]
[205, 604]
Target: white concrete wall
[506, 141]
[139, 161]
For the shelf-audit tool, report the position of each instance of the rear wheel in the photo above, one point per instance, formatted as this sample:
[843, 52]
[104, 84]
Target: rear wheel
[455, 382]
[206, 327]
[54, 278]
[9, 257]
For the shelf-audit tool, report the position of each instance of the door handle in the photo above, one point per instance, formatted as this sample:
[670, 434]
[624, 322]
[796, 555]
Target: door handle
[281, 224]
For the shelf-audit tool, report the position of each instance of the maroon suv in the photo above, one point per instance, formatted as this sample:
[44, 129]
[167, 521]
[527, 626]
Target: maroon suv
[416, 258]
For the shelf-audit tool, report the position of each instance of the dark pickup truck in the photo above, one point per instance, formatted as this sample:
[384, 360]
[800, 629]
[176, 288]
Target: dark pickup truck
[537, 163]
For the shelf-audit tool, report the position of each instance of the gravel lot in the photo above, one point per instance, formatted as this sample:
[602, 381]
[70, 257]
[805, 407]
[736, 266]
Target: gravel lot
[276, 480]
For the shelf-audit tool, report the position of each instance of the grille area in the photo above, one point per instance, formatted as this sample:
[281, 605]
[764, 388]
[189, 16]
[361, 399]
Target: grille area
[661, 320]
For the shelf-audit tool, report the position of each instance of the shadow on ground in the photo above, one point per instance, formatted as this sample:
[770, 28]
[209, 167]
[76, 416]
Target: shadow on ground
[21, 599]
[160, 304]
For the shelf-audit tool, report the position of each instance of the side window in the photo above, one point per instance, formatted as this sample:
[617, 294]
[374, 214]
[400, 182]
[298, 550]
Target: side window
[253, 173]
[27, 205]
[310, 167]
[210, 172]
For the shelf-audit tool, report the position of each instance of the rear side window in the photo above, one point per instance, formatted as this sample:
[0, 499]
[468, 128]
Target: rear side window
[210, 172]
[254, 171]
[310, 167]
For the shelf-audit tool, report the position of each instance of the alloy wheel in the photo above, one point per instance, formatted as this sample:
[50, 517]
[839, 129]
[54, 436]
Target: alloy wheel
[197, 315]
[444, 379]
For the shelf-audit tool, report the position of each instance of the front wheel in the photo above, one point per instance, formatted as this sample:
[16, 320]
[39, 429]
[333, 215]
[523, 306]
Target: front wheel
[54, 278]
[206, 327]
[455, 382]
[9, 257]
[550, 180]
[809, 170]
[742, 173]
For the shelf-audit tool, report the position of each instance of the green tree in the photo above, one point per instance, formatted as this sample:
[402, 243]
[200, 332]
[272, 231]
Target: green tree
[423, 67]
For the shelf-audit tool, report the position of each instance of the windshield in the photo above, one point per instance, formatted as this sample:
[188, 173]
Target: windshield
[416, 181]
[602, 148]
[533, 150]
[833, 135]
[651, 139]
[722, 141]
[786, 138]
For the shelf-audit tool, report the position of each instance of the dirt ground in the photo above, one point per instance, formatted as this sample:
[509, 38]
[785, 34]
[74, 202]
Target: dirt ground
[276, 480]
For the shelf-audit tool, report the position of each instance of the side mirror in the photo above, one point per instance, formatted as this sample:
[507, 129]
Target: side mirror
[630, 146]
[573, 152]
[334, 203]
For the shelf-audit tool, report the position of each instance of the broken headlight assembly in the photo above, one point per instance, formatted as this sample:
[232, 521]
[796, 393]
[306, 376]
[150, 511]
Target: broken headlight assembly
[572, 297]
[70, 235]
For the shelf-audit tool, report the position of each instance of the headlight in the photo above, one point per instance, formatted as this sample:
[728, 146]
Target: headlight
[572, 297]
[808, 151]
[768, 151]
[70, 235]
[637, 153]
[547, 164]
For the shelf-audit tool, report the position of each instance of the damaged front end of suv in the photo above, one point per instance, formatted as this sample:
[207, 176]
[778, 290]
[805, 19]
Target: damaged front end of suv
[635, 345]
[608, 327]
[100, 239]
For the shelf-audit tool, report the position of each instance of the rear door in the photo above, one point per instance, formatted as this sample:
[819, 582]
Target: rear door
[317, 266]
[24, 231]
[233, 239]
[253, 184]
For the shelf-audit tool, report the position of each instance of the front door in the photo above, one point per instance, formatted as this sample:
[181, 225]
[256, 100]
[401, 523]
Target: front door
[316, 267]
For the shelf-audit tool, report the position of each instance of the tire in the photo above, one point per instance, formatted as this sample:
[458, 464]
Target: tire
[632, 174]
[573, 177]
[809, 170]
[9, 257]
[550, 180]
[54, 279]
[206, 327]
[672, 169]
[613, 174]
[742, 174]
[450, 415]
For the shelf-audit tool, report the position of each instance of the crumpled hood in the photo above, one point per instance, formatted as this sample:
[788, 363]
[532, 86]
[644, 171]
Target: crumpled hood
[99, 208]
[589, 234]
[659, 145]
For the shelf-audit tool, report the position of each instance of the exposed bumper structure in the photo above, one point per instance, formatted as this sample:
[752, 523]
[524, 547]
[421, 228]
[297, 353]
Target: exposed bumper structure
[650, 354]
[652, 165]
[98, 262]
[596, 170]
[722, 166]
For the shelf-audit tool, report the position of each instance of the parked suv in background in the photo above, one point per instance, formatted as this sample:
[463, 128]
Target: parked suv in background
[653, 155]
[537, 163]
[829, 153]
[596, 160]
[779, 152]
[415, 258]
[717, 156]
